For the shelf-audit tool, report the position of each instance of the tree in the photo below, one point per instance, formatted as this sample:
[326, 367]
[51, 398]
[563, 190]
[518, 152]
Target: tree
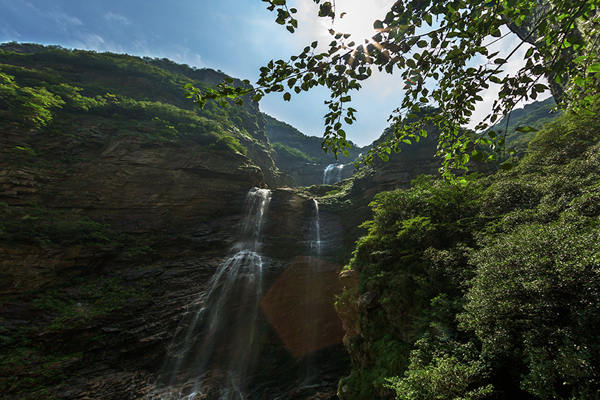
[441, 50]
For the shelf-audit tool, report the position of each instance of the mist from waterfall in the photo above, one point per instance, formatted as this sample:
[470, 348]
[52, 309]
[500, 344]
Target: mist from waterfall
[332, 174]
[221, 335]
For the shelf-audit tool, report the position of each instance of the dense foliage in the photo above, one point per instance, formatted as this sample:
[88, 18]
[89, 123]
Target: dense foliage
[490, 289]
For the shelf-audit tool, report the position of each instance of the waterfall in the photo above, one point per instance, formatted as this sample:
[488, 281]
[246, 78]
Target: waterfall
[332, 173]
[221, 335]
[316, 228]
[312, 290]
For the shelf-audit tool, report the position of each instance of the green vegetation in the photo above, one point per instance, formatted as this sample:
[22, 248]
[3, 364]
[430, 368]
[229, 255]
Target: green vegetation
[478, 289]
[50, 88]
[31, 105]
[31, 372]
[488, 289]
[93, 299]
[287, 152]
[533, 115]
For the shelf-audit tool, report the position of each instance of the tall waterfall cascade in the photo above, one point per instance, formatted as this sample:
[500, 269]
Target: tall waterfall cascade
[222, 334]
[316, 228]
[312, 290]
[332, 174]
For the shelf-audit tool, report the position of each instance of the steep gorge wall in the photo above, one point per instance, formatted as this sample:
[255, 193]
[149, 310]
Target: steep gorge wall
[100, 257]
[115, 213]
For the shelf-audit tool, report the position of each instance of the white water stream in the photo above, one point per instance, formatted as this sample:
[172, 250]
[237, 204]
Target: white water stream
[221, 335]
[312, 289]
[316, 228]
[332, 174]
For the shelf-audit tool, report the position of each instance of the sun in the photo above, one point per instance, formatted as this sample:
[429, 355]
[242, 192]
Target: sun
[356, 17]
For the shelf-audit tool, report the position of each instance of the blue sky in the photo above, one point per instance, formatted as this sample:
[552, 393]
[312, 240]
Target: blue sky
[235, 36]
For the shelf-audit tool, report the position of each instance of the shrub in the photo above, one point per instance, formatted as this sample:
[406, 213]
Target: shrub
[535, 306]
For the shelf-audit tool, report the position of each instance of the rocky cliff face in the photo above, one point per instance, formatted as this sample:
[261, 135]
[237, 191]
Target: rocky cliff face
[113, 222]
[94, 320]
[115, 216]
[102, 255]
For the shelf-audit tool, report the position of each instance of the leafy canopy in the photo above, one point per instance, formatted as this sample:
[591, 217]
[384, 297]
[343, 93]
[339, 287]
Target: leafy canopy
[441, 49]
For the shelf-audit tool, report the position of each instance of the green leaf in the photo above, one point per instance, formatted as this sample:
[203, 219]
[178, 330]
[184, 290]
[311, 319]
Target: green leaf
[579, 81]
[594, 68]
[325, 9]
[287, 96]
[529, 52]
[526, 129]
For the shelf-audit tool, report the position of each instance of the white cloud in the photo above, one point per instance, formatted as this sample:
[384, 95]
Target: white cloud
[180, 54]
[186, 56]
[118, 18]
[63, 19]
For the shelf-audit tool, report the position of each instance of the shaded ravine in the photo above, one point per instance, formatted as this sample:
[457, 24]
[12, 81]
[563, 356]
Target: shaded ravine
[216, 342]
